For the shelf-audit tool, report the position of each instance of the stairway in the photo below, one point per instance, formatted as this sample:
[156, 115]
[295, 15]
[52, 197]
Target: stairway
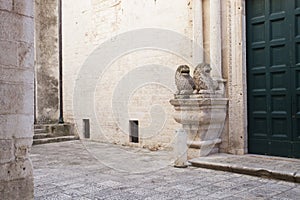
[49, 133]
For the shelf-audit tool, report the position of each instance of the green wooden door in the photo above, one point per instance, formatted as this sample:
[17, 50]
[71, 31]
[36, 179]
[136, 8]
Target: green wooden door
[273, 77]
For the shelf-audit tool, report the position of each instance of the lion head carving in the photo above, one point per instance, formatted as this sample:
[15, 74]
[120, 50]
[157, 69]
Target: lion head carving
[184, 82]
[202, 78]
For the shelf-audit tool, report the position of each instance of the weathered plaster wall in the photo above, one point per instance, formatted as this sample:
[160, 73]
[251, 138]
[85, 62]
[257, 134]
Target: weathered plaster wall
[16, 98]
[87, 25]
[46, 60]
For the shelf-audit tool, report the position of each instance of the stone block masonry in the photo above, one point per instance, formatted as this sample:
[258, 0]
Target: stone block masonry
[16, 98]
[87, 26]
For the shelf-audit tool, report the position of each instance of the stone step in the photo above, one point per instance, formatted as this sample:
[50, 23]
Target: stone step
[39, 126]
[41, 135]
[54, 139]
[56, 130]
[287, 169]
[40, 130]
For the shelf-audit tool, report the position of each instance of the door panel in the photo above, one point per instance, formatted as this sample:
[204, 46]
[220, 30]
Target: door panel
[295, 83]
[273, 71]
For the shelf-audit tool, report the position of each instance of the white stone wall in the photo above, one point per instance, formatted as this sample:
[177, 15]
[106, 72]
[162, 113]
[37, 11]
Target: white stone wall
[16, 98]
[87, 25]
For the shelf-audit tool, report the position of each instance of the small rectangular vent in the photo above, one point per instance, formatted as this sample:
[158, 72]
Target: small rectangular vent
[134, 131]
[86, 128]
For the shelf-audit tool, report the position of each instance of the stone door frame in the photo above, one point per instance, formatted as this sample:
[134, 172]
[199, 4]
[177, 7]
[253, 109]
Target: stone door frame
[234, 70]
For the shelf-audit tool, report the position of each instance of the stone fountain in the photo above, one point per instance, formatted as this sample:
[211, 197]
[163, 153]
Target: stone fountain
[200, 106]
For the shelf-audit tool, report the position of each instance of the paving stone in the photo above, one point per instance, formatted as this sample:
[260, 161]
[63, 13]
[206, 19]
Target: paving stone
[69, 171]
[247, 195]
[151, 186]
[74, 186]
[202, 182]
[159, 197]
[277, 187]
[65, 183]
[44, 192]
[204, 198]
[107, 193]
[110, 183]
[201, 192]
[92, 189]
[249, 185]
[125, 196]
[184, 187]
[227, 184]
[223, 193]
[58, 196]
[233, 198]
[263, 192]
[282, 198]
[172, 194]
[81, 198]
[291, 194]
[141, 192]
[44, 187]
[74, 192]
[188, 196]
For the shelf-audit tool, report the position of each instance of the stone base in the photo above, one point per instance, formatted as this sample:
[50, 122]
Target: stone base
[193, 153]
[202, 148]
[17, 189]
[180, 149]
[196, 153]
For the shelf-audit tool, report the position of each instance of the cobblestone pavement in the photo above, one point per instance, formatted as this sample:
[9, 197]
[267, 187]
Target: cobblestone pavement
[88, 170]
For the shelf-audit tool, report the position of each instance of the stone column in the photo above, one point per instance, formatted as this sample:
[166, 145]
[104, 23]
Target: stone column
[237, 79]
[234, 141]
[47, 58]
[16, 98]
[198, 54]
[215, 39]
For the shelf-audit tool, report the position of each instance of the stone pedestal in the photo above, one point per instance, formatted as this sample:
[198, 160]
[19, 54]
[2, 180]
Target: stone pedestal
[180, 148]
[202, 116]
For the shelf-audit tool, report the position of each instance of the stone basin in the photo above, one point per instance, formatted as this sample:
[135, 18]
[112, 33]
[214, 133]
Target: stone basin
[203, 118]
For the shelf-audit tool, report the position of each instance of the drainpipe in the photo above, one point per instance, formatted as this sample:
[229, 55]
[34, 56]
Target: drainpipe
[34, 95]
[61, 118]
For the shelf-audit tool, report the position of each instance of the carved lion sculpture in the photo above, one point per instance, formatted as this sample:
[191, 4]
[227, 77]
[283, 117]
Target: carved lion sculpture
[184, 82]
[202, 78]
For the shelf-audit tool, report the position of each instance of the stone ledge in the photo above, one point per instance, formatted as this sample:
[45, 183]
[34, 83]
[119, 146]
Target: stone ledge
[263, 166]
[55, 130]
[55, 139]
